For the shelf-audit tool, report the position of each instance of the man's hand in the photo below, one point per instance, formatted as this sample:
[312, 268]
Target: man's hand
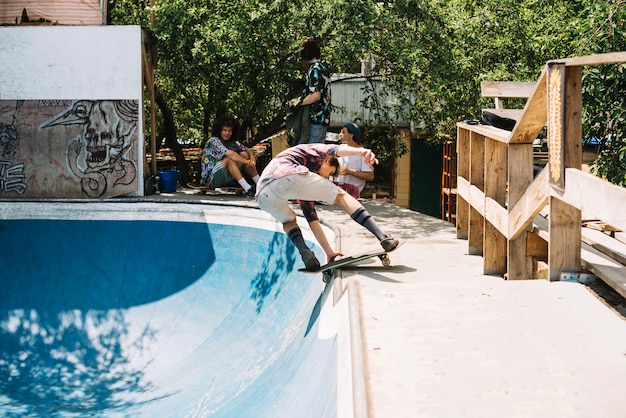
[369, 157]
[331, 256]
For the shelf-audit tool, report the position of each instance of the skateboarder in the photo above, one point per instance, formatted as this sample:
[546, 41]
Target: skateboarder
[301, 173]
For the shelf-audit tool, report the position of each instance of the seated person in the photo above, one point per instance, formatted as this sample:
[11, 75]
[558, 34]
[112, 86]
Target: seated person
[224, 160]
[355, 172]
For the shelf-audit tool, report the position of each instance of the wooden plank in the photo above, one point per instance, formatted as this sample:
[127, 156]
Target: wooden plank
[477, 199]
[596, 198]
[462, 206]
[477, 180]
[497, 215]
[607, 269]
[462, 218]
[520, 177]
[598, 225]
[536, 246]
[556, 125]
[463, 188]
[605, 244]
[564, 242]
[573, 118]
[507, 89]
[602, 265]
[535, 114]
[565, 220]
[597, 59]
[530, 204]
[494, 242]
[492, 132]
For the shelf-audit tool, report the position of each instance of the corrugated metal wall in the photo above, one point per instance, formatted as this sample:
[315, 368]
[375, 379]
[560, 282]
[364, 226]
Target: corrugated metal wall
[59, 12]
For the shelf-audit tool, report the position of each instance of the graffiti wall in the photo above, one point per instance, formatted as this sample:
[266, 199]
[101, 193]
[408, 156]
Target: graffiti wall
[68, 148]
[71, 112]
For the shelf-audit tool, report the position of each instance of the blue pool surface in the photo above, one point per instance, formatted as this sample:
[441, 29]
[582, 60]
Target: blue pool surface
[158, 311]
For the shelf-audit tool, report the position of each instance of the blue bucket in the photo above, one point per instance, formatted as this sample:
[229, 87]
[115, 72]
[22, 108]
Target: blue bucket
[168, 180]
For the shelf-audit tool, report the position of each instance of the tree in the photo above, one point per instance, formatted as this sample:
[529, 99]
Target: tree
[604, 88]
[242, 56]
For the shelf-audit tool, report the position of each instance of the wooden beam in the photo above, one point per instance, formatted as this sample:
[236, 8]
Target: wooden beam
[507, 89]
[494, 241]
[536, 246]
[595, 197]
[520, 266]
[565, 219]
[597, 59]
[462, 205]
[477, 182]
[492, 132]
[533, 200]
[497, 215]
[535, 114]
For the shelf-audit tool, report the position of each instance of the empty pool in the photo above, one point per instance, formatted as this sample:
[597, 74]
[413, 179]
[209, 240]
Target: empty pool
[137, 309]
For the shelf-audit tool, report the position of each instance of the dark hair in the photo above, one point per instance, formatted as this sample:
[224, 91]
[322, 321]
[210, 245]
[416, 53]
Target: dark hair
[334, 162]
[226, 121]
[310, 50]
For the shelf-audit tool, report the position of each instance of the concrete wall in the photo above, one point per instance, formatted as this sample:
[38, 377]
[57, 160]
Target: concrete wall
[71, 111]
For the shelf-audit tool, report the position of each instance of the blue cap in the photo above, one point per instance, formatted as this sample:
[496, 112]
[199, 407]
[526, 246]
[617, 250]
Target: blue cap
[354, 130]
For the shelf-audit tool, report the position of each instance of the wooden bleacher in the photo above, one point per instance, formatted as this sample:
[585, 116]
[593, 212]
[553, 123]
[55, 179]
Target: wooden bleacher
[517, 220]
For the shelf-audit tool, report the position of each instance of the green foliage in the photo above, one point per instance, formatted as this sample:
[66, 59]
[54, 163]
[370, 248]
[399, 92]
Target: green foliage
[242, 57]
[604, 89]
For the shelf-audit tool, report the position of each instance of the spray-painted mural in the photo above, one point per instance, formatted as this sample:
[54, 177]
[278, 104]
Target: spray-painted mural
[68, 148]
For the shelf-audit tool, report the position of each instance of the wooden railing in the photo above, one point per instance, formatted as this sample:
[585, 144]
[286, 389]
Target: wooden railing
[499, 199]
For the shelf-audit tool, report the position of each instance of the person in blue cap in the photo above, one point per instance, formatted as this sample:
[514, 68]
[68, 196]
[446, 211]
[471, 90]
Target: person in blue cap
[354, 170]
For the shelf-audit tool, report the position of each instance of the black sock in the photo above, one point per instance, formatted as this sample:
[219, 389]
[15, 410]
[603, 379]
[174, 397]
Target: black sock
[363, 217]
[295, 235]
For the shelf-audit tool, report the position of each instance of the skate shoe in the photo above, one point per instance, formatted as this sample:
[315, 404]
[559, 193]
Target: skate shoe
[389, 244]
[310, 261]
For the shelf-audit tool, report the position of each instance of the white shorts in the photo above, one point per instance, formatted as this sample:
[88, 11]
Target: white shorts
[274, 198]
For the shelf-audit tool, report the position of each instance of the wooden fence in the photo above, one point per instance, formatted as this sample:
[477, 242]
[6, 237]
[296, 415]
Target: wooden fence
[499, 200]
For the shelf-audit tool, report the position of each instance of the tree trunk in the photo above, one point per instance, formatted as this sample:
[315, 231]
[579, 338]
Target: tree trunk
[170, 137]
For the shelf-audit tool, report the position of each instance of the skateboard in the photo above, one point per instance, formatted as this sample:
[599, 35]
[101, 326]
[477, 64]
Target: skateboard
[327, 269]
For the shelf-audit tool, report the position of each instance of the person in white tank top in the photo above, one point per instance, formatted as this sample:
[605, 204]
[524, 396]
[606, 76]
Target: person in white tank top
[354, 168]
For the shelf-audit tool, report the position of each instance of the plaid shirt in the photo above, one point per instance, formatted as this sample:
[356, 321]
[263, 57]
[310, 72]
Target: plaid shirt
[214, 151]
[318, 79]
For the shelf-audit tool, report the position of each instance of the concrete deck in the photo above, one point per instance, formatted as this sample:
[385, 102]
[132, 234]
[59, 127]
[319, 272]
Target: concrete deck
[444, 340]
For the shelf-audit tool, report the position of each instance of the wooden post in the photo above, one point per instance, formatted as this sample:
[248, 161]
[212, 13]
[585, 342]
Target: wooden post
[494, 244]
[477, 179]
[520, 265]
[148, 70]
[462, 205]
[564, 251]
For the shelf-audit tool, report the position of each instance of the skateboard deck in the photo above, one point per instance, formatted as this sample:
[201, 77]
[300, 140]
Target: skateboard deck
[327, 268]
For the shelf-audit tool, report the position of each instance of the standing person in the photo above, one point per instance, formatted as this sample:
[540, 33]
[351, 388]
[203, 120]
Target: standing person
[316, 91]
[354, 170]
[301, 173]
[224, 158]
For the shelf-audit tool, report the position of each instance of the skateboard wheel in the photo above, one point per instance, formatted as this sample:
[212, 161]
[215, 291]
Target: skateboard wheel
[326, 276]
[386, 261]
